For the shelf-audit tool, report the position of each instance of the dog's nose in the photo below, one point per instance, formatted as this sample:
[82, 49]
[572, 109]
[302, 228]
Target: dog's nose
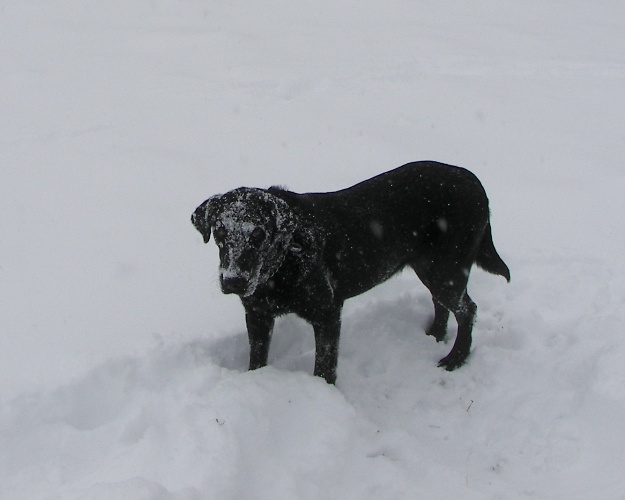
[234, 285]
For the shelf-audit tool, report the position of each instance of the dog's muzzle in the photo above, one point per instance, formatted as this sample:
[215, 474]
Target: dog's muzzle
[234, 285]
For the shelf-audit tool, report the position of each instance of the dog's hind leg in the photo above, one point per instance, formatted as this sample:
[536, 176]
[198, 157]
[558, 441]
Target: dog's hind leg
[438, 328]
[259, 328]
[448, 283]
[464, 311]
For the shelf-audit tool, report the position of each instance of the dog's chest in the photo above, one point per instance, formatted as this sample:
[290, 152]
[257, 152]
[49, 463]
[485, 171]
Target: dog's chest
[272, 299]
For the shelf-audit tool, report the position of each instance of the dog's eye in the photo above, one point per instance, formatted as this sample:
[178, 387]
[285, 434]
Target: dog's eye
[220, 233]
[257, 235]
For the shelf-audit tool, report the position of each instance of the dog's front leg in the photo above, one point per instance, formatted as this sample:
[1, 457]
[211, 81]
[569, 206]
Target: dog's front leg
[327, 333]
[259, 327]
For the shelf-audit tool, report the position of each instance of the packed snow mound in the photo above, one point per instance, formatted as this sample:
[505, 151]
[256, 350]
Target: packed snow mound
[176, 425]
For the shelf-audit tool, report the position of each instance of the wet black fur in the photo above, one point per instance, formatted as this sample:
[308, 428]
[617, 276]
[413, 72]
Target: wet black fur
[429, 216]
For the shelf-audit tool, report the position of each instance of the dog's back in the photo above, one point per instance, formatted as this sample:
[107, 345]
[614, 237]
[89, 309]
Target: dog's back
[403, 217]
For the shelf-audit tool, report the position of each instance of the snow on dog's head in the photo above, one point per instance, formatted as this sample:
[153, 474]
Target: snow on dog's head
[253, 230]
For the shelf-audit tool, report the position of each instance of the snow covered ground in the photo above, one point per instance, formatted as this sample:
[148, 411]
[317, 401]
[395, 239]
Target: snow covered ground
[122, 366]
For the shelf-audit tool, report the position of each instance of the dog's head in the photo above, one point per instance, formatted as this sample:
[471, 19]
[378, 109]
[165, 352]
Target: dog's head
[253, 230]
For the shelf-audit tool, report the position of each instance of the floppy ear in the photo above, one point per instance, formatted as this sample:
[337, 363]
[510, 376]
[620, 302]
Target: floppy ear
[204, 216]
[286, 220]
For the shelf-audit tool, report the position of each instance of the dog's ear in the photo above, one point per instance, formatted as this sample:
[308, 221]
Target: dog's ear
[204, 216]
[286, 220]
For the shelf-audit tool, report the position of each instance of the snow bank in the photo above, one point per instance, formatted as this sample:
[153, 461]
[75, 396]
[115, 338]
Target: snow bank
[175, 425]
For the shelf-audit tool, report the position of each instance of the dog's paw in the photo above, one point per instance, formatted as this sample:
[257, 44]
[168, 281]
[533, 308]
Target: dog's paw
[453, 360]
[438, 333]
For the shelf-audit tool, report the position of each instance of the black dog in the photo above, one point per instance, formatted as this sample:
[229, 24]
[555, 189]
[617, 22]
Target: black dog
[284, 252]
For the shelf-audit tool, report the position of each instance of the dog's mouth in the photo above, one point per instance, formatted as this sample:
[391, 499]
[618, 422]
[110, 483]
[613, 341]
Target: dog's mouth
[235, 285]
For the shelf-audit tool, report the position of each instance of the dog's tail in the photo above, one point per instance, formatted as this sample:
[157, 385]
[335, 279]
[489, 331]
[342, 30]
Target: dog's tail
[488, 258]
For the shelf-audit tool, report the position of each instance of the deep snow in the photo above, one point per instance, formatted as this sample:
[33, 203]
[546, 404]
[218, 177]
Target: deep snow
[122, 367]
